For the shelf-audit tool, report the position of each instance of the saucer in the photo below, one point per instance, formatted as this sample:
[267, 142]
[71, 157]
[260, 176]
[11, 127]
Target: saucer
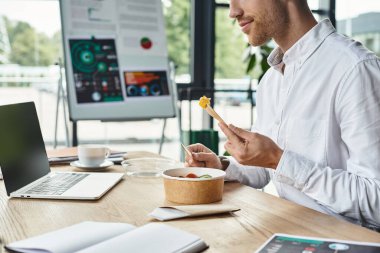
[103, 165]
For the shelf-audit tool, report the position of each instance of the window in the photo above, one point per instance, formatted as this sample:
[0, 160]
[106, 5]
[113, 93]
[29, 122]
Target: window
[360, 20]
[177, 18]
[230, 70]
[30, 45]
[230, 44]
[34, 39]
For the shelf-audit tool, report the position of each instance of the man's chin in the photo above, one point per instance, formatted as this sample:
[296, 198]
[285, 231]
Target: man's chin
[257, 41]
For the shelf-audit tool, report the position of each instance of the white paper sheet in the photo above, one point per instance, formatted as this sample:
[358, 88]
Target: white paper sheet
[152, 237]
[73, 238]
[163, 214]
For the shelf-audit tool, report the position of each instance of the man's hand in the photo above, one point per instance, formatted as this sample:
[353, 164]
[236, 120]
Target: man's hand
[250, 148]
[202, 157]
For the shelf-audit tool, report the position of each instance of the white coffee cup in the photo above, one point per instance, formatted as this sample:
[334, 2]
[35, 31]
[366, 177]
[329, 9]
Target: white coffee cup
[92, 155]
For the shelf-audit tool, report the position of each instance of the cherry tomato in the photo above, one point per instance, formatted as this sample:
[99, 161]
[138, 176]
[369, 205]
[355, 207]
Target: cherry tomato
[191, 175]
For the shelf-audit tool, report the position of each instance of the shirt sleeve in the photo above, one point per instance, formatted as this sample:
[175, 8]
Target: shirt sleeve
[256, 177]
[353, 191]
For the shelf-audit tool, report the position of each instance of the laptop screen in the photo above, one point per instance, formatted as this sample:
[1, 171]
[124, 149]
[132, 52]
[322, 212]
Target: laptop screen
[23, 156]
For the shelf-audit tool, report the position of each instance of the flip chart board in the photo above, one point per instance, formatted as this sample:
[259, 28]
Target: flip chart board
[116, 60]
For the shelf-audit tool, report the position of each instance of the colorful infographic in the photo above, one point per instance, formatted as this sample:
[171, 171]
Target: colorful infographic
[291, 244]
[96, 70]
[146, 83]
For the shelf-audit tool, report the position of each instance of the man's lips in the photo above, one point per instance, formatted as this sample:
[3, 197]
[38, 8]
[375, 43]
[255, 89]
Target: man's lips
[245, 25]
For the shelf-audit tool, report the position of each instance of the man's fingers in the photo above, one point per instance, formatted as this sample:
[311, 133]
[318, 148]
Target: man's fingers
[197, 159]
[231, 136]
[228, 146]
[204, 157]
[240, 132]
[198, 147]
[194, 163]
[187, 158]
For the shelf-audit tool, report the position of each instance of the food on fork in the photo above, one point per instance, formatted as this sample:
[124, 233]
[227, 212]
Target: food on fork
[204, 102]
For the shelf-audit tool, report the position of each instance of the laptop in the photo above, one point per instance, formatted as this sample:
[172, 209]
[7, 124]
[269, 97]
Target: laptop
[25, 166]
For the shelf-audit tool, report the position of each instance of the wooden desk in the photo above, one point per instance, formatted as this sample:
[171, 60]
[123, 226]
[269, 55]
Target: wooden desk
[132, 199]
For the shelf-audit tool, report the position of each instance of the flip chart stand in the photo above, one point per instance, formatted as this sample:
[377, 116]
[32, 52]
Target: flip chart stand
[61, 97]
[162, 139]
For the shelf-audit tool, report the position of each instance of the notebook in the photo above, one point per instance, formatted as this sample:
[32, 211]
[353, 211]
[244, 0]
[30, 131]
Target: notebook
[25, 166]
[68, 155]
[100, 237]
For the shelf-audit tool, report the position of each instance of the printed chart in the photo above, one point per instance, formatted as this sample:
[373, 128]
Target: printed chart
[96, 70]
[146, 83]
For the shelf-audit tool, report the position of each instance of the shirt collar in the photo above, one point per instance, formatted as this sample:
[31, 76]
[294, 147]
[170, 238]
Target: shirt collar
[303, 48]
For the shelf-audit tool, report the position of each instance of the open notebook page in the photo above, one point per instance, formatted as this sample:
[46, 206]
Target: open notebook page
[152, 237]
[71, 239]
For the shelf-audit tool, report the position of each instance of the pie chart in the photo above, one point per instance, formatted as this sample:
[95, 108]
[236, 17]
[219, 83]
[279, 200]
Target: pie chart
[146, 43]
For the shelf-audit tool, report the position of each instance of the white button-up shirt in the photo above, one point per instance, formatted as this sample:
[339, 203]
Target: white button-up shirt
[324, 112]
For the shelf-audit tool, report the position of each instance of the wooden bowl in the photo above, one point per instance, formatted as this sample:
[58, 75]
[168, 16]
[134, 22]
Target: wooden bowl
[192, 191]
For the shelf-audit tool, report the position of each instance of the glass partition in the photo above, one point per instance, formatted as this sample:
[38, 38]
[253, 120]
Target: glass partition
[360, 20]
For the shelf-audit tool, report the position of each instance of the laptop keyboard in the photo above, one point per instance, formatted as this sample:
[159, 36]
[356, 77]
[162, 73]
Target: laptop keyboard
[56, 184]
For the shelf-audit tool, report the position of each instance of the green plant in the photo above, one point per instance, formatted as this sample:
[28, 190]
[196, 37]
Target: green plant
[257, 60]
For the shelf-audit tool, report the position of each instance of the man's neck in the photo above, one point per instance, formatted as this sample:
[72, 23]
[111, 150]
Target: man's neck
[299, 24]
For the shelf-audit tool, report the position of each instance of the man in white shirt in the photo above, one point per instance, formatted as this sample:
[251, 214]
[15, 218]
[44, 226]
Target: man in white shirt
[317, 133]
